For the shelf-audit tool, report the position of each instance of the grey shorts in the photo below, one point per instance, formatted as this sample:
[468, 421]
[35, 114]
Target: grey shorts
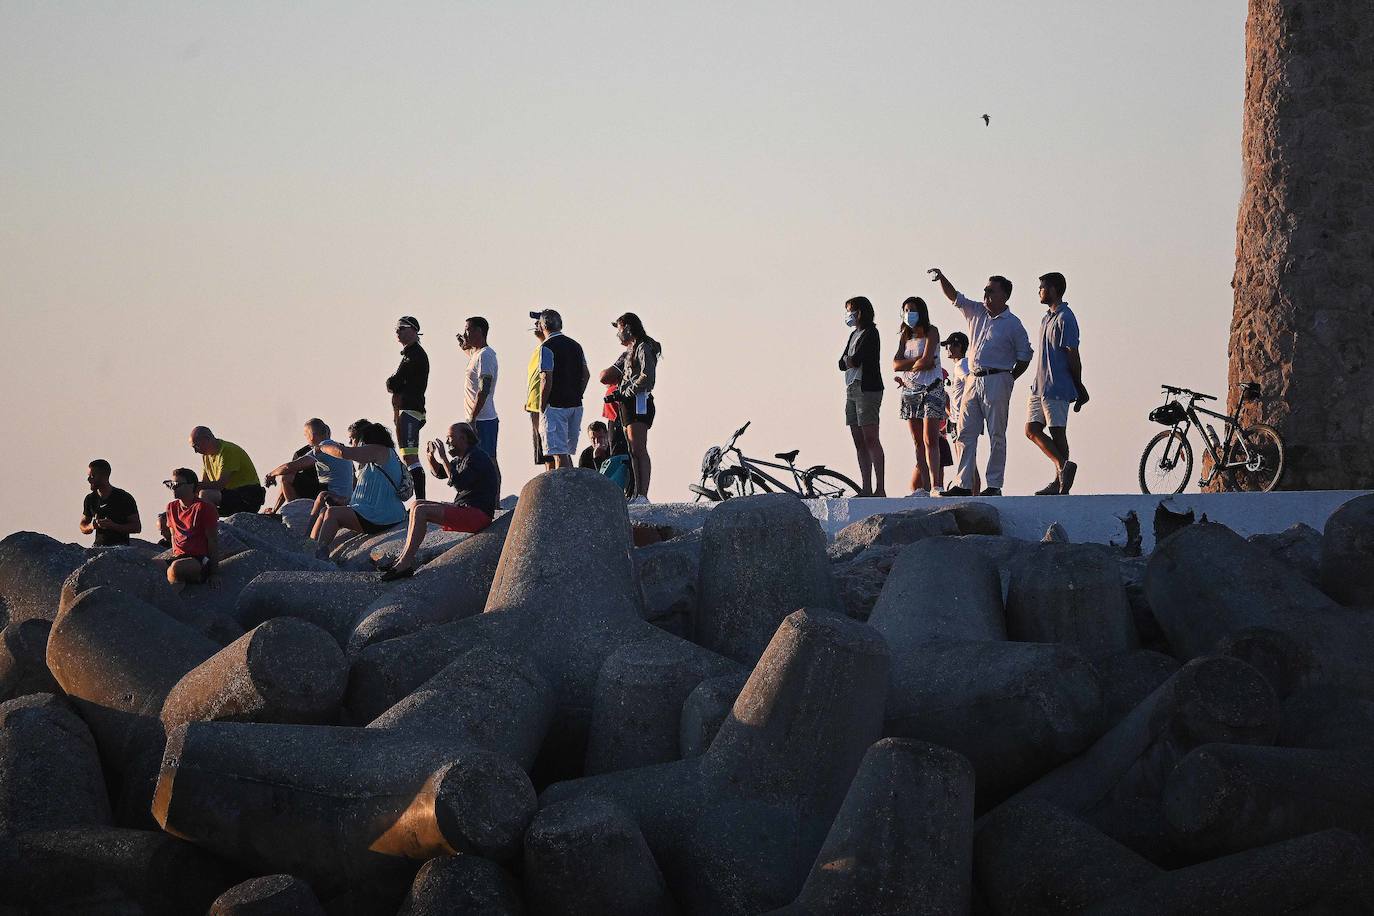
[1050, 411]
[925, 404]
[861, 408]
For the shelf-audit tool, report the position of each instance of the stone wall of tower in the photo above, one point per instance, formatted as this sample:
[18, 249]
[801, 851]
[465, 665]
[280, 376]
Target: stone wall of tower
[1303, 324]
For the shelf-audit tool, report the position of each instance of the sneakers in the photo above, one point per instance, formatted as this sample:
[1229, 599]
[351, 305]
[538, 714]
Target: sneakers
[393, 574]
[1049, 489]
[918, 493]
[991, 491]
[638, 501]
[1066, 476]
[956, 491]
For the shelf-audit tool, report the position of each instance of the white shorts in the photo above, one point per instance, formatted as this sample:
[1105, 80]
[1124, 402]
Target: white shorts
[1049, 411]
[559, 428]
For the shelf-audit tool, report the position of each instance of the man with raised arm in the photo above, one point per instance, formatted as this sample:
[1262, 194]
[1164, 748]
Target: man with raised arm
[999, 353]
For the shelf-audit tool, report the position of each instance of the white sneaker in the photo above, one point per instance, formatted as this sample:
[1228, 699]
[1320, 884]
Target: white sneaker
[918, 493]
[638, 501]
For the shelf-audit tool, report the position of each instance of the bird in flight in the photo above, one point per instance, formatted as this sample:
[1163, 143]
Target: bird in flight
[987, 122]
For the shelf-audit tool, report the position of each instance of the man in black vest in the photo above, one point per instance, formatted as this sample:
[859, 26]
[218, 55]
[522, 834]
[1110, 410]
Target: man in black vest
[563, 382]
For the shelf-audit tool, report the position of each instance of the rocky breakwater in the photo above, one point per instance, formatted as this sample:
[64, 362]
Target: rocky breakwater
[925, 716]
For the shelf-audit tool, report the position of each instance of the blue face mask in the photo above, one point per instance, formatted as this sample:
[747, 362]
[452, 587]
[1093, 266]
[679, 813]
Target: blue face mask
[912, 319]
[850, 319]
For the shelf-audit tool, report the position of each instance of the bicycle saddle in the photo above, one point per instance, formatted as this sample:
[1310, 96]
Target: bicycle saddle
[789, 457]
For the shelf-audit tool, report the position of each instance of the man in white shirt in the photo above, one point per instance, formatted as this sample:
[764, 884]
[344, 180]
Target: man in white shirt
[479, 388]
[956, 359]
[999, 353]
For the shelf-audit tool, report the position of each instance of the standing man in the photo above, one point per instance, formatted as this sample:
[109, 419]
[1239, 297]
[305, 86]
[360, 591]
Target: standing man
[108, 512]
[1000, 352]
[563, 381]
[191, 525]
[1058, 381]
[479, 387]
[535, 383]
[229, 482]
[407, 386]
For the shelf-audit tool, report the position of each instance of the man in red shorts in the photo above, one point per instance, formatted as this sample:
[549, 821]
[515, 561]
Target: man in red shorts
[472, 475]
[192, 525]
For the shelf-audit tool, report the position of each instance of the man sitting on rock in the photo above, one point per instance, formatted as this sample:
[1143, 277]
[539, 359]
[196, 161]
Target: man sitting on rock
[595, 456]
[311, 471]
[472, 474]
[230, 481]
[108, 512]
[191, 523]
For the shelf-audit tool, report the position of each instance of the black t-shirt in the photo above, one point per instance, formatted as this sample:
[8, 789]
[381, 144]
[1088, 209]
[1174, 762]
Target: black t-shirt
[411, 378]
[119, 507]
[474, 480]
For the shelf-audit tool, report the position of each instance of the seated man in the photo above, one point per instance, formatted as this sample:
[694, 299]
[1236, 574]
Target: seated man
[230, 482]
[472, 474]
[192, 526]
[312, 471]
[598, 455]
[108, 512]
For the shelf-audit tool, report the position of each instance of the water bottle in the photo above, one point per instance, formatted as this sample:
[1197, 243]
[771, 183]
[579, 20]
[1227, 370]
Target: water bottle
[1213, 438]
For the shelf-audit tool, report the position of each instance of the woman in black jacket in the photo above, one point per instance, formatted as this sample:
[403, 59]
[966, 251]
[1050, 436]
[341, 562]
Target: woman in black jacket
[863, 393]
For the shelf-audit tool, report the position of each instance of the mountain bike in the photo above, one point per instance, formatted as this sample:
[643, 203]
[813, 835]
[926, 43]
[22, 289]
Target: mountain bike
[1248, 458]
[723, 478]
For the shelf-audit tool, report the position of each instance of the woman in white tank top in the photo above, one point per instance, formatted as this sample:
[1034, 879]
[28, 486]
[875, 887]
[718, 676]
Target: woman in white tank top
[924, 405]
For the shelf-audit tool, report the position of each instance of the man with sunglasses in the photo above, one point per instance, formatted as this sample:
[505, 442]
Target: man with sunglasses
[407, 386]
[191, 524]
[1000, 352]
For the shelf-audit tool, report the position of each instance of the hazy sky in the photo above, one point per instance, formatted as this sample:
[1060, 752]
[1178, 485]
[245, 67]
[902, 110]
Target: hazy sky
[214, 213]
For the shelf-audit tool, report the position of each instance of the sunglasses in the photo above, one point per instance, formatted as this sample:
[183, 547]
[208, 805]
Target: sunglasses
[172, 484]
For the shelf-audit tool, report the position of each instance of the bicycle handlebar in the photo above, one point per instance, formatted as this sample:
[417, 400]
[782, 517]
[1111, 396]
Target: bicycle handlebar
[1195, 395]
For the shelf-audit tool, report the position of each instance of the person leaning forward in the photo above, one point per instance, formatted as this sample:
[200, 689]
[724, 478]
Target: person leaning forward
[229, 482]
[1000, 352]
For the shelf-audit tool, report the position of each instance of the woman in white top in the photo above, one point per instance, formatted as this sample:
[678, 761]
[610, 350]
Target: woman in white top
[924, 406]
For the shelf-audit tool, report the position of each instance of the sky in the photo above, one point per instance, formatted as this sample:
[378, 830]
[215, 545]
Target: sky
[214, 213]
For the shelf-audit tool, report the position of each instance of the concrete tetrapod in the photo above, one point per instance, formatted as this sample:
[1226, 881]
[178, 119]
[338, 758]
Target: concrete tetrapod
[1116, 784]
[1072, 594]
[1328, 718]
[737, 829]
[357, 608]
[352, 810]
[1205, 583]
[1347, 553]
[24, 659]
[1032, 858]
[564, 593]
[49, 771]
[762, 557]
[1225, 798]
[462, 885]
[270, 895]
[117, 658]
[586, 855]
[32, 569]
[903, 840]
[284, 670]
[1015, 710]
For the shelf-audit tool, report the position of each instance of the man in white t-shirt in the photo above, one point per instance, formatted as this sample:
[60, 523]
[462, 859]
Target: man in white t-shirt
[479, 389]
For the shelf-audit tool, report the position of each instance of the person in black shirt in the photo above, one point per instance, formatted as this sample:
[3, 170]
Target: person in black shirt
[472, 474]
[863, 394]
[108, 512]
[407, 386]
[604, 446]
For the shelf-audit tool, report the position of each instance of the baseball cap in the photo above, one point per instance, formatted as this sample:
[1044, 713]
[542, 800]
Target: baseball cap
[958, 337]
[408, 321]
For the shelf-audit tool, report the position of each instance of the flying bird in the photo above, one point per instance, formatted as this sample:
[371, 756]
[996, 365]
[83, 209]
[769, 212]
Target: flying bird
[987, 122]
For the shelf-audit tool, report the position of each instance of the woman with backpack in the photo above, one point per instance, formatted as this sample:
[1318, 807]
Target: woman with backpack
[383, 485]
[634, 396]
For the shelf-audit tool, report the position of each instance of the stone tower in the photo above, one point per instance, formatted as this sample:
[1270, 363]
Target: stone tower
[1303, 325]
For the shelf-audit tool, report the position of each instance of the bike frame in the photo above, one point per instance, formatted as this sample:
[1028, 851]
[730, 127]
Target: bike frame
[753, 464]
[1232, 437]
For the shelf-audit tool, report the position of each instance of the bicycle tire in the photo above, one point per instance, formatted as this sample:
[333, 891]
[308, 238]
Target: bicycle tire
[1149, 464]
[1265, 470]
[835, 485]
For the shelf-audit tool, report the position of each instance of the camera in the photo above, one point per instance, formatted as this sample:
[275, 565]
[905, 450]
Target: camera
[611, 399]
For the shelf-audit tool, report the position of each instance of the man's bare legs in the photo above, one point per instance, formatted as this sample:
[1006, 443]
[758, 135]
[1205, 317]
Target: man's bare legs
[1055, 446]
[186, 569]
[422, 515]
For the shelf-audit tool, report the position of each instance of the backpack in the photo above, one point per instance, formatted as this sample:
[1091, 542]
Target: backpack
[617, 468]
[405, 489]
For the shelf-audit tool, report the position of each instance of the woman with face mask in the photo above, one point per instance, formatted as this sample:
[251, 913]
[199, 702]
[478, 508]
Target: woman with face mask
[924, 407]
[863, 393]
[635, 396]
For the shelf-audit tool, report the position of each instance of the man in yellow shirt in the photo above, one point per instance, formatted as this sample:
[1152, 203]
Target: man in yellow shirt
[536, 382]
[228, 479]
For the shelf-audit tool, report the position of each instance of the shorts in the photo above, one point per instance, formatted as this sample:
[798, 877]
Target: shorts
[559, 427]
[408, 426]
[369, 527]
[465, 518]
[539, 456]
[861, 408]
[925, 403]
[1050, 411]
[645, 416]
[241, 499]
[486, 435]
[203, 561]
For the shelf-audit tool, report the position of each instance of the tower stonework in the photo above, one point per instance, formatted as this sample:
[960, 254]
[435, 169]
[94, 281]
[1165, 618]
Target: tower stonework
[1303, 324]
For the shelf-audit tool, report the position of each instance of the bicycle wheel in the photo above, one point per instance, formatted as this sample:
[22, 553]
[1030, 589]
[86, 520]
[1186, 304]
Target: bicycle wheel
[1167, 463]
[1263, 457]
[823, 483]
[736, 482]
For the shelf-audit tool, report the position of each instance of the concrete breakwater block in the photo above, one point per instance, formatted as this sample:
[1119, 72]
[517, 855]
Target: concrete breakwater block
[897, 529]
[1015, 710]
[270, 895]
[1347, 553]
[284, 670]
[462, 885]
[762, 557]
[32, 569]
[50, 774]
[1070, 594]
[737, 829]
[24, 659]
[1117, 783]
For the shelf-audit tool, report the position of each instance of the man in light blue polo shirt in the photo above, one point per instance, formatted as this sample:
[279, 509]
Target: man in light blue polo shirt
[1058, 382]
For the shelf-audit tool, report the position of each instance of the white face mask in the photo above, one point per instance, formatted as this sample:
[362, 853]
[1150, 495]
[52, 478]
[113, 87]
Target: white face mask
[850, 319]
